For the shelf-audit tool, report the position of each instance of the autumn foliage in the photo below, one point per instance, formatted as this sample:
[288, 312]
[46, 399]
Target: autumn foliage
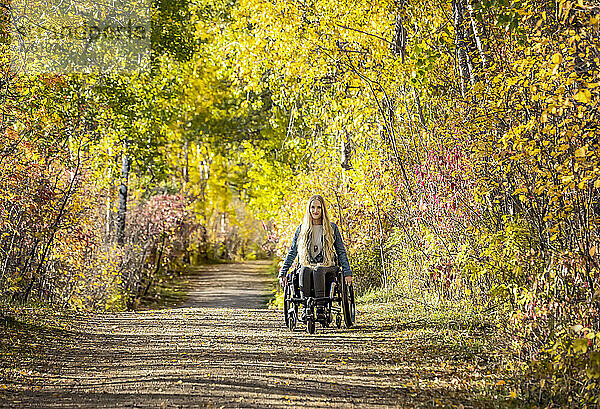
[456, 143]
[465, 142]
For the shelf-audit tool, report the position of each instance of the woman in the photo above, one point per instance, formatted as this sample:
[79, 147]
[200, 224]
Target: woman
[317, 243]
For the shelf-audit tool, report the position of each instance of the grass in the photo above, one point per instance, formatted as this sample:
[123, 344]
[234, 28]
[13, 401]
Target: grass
[165, 293]
[458, 334]
[36, 313]
[275, 298]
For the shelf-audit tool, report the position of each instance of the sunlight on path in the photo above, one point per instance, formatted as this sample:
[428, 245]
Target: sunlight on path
[229, 285]
[222, 348]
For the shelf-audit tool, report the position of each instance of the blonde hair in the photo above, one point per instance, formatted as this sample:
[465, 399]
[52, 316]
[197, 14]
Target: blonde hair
[306, 234]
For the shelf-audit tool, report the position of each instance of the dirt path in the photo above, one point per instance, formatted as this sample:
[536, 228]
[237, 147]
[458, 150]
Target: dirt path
[222, 348]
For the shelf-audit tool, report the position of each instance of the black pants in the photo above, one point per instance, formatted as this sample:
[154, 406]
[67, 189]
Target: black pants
[316, 278]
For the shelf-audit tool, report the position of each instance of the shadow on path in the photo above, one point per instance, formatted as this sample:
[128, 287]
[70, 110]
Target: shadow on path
[222, 348]
[229, 286]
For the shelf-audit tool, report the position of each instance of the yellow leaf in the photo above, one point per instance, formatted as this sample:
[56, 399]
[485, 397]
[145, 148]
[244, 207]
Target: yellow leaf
[584, 96]
[597, 183]
[580, 153]
[513, 394]
[557, 58]
[592, 251]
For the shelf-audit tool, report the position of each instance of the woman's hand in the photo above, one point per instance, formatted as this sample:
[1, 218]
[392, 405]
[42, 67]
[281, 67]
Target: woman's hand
[282, 281]
[348, 280]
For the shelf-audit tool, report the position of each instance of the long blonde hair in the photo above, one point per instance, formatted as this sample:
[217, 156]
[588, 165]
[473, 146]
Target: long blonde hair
[306, 234]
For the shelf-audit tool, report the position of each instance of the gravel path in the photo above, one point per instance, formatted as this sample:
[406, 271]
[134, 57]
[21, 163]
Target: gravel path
[222, 348]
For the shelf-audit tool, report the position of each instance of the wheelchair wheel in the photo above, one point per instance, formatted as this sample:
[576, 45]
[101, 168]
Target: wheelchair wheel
[310, 326]
[348, 307]
[290, 309]
[309, 313]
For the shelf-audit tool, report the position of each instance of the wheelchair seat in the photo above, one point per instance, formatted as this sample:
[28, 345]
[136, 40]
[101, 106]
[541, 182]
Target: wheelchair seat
[293, 276]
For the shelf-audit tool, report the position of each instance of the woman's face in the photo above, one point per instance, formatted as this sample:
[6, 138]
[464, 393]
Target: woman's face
[316, 210]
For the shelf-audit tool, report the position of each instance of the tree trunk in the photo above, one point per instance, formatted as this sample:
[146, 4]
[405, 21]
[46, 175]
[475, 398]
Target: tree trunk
[381, 253]
[108, 222]
[399, 41]
[477, 36]
[347, 152]
[461, 43]
[10, 248]
[123, 200]
[186, 160]
[28, 290]
[420, 109]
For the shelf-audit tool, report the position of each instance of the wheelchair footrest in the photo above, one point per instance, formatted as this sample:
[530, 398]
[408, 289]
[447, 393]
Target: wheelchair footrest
[319, 299]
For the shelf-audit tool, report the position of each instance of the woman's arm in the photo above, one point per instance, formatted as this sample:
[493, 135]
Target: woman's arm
[291, 255]
[341, 251]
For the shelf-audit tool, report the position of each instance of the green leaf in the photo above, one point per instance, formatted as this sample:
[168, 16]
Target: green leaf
[580, 345]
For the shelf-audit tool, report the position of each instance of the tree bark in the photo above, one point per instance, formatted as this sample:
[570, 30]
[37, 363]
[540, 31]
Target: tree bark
[186, 160]
[108, 217]
[347, 152]
[121, 215]
[477, 36]
[10, 248]
[400, 34]
[461, 43]
[381, 253]
[420, 109]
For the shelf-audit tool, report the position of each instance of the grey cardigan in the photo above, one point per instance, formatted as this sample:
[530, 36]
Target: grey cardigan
[338, 244]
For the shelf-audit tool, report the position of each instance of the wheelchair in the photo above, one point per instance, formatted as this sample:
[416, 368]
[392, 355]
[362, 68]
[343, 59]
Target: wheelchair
[338, 303]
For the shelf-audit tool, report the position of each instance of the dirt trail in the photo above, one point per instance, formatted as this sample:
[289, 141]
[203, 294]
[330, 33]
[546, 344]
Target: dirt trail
[223, 348]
